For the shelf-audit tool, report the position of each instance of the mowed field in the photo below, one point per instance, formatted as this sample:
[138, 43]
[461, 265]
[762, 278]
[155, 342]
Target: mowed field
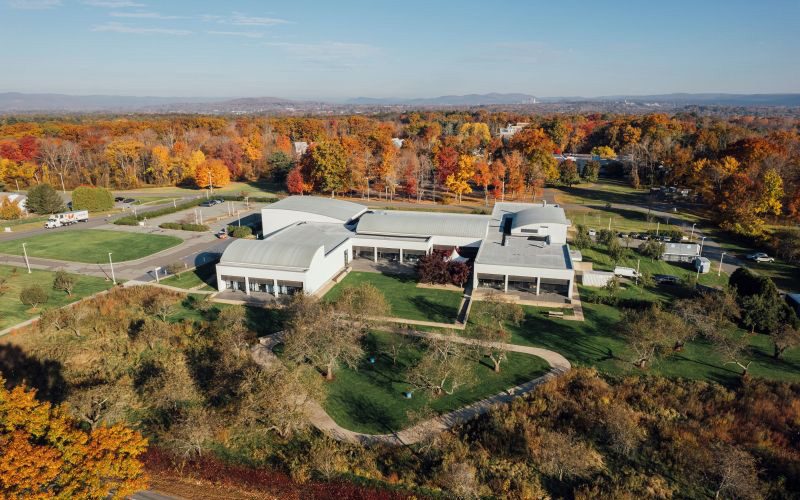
[13, 280]
[91, 245]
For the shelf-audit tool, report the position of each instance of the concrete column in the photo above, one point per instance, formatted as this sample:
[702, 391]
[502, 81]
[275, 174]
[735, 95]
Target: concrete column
[505, 284]
[401, 255]
[375, 254]
[221, 284]
[247, 285]
[569, 290]
[275, 287]
[538, 282]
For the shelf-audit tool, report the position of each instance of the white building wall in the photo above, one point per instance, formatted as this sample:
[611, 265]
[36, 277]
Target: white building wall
[455, 241]
[533, 272]
[366, 241]
[326, 267]
[261, 273]
[273, 220]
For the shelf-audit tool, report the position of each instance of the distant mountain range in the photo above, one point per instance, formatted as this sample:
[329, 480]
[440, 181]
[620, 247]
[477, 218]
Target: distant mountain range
[16, 102]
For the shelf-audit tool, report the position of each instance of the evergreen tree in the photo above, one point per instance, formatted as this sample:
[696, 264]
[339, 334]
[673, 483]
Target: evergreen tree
[43, 199]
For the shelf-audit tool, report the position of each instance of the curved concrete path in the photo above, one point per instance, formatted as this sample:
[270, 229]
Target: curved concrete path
[319, 418]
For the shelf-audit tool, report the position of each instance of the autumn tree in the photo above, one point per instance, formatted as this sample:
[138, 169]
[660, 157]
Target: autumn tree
[443, 369]
[651, 333]
[64, 282]
[561, 455]
[736, 472]
[784, 337]
[296, 182]
[604, 152]
[45, 454]
[484, 177]
[458, 182]
[568, 173]
[489, 324]
[328, 162]
[212, 173]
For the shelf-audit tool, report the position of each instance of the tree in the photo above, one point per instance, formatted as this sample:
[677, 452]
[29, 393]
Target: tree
[568, 173]
[64, 282]
[591, 171]
[43, 199]
[604, 152]
[582, 238]
[736, 472]
[784, 337]
[295, 182]
[280, 164]
[562, 454]
[483, 177]
[47, 455]
[93, 199]
[733, 348]
[488, 324]
[442, 369]
[615, 250]
[328, 166]
[160, 305]
[709, 313]
[651, 333]
[653, 249]
[33, 296]
[10, 210]
[762, 307]
[433, 268]
[786, 243]
[212, 173]
[458, 182]
[458, 272]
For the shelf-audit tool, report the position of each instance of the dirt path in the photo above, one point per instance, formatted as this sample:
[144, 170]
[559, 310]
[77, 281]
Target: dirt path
[263, 355]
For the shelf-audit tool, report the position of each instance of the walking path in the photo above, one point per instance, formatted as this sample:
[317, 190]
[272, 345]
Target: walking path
[319, 418]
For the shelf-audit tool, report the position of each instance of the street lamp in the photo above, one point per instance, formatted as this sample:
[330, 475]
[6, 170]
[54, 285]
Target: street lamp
[25, 253]
[702, 240]
[691, 237]
[719, 270]
[111, 263]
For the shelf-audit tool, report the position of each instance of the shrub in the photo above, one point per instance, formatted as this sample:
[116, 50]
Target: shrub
[184, 226]
[64, 282]
[175, 267]
[605, 236]
[93, 199]
[240, 231]
[10, 210]
[33, 296]
[128, 220]
[653, 249]
[581, 239]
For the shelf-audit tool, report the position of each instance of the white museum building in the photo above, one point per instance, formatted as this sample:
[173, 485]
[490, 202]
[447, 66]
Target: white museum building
[310, 241]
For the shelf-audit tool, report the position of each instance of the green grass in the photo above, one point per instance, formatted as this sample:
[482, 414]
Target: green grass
[597, 342]
[602, 262]
[200, 278]
[786, 276]
[91, 245]
[256, 188]
[370, 399]
[12, 311]
[405, 299]
[197, 309]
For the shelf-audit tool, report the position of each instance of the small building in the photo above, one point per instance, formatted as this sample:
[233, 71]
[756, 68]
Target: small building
[702, 264]
[398, 143]
[510, 130]
[681, 252]
[299, 148]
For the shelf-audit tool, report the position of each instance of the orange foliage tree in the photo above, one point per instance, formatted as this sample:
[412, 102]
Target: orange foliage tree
[44, 454]
[212, 172]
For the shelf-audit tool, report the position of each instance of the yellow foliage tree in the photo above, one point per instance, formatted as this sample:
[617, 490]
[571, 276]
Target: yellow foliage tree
[212, 173]
[44, 454]
[160, 164]
[458, 182]
[604, 152]
[10, 210]
[196, 158]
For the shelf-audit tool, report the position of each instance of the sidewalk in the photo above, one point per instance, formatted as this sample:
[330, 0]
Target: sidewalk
[319, 418]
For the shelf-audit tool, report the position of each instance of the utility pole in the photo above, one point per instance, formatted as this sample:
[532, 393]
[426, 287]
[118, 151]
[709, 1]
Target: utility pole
[719, 270]
[658, 226]
[609, 223]
[239, 218]
[210, 184]
[25, 253]
[63, 189]
[111, 263]
[702, 240]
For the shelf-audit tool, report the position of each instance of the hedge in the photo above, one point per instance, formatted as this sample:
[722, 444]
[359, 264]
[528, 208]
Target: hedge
[133, 220]
[240, 231]
[184, 227]
[93, 199]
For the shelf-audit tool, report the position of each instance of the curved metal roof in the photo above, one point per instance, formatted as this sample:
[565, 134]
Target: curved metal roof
[293, 247]
[539, 215]
[399, 223]
[329, 207]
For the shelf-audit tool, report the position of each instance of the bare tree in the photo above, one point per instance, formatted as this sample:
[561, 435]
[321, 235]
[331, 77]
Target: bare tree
[784, 337]
[737, 474]
[562, 455]
[443, 368]
[488, 324]
[652, 333]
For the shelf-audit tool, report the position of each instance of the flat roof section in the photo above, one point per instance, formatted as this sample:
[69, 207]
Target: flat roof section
[292, 247]
[405, 223]
[330, 207]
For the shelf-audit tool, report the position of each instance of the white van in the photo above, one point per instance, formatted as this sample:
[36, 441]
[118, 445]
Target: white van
[626, 272]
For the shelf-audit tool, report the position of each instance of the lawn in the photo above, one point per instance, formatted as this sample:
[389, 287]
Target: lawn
[196, 308]
[12, 311]
[91, 245]
[786, 276]
[200, 278]
[597, 342]
[405, 299]
[257, 189]
[370, 399]
[602, 262]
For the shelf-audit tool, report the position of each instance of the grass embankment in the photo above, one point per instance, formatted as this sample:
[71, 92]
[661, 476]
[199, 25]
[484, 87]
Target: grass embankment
[91, 245]
[12, 311]
[406, 300]
[199, 278]
[370, 399]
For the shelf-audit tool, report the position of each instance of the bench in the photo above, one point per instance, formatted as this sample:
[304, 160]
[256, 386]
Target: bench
[555, 314]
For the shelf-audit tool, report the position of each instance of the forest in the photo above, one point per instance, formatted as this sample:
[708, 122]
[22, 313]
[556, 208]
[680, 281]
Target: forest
[745, 169]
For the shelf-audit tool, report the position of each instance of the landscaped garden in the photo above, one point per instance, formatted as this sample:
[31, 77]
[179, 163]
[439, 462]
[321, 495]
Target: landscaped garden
[405, 299]
[371, 398]
[13, 280]
[91, 245]
[199, 278]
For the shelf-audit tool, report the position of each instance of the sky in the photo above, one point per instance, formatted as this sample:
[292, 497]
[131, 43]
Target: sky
[338, 49]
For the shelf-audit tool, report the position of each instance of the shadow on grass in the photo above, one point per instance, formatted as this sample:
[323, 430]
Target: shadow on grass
[44, 375]
[433, 311]
[365, 412]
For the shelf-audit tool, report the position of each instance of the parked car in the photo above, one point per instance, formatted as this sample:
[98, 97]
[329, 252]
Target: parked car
[623, 235]
[208, 203]
[666, 279]
[760, 257]
[592, 232]
[128, 200]
[222, 234]
[118, 199]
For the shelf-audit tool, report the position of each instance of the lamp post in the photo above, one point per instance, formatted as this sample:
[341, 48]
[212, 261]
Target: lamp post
[691, 237]
[239, 218]
[702, 240]
[25, 253]
[111, 264]
[719, 269]
[658, 226]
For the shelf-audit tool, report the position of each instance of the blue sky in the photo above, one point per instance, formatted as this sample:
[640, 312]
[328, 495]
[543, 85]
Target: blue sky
[337, 49]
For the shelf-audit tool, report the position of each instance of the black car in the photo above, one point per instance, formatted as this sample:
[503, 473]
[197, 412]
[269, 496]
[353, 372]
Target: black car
[128, 200]
[118, 199]
[666, 279]
[208, 203]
